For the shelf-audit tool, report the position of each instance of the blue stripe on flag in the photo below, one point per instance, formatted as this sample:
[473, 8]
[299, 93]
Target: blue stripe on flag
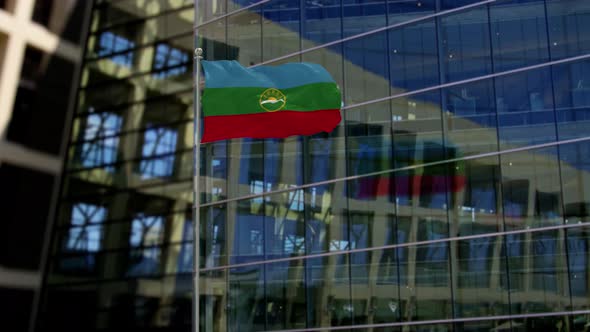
[230, 74]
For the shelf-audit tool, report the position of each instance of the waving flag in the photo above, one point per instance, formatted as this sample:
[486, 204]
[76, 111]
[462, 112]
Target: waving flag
[268, 101]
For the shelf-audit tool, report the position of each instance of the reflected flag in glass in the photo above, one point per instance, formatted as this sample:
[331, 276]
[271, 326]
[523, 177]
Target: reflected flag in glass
[268, 101]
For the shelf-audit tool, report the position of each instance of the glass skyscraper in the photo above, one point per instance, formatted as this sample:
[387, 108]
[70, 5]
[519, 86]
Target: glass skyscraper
[453, 196]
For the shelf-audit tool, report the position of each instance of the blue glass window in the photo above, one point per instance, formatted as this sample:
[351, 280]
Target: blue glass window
[413, 57]
[86, 227]
[577, 246]
[158, 152]
[362, 16]
[545, 265]
[465, 48]
[296, 201]
[405, 10]
[571, 83]
[111, 43]
[475, 262]
[100, 146]
[146, 235]
[84, 237]
[519, 34]
[321, 23]
[169, 61]
[569, 24]
[525, 108]
[294, 244]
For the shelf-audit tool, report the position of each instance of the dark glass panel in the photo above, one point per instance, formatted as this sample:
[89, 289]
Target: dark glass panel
[413, 57]
[401, 11]
[375, 285]
[519, 34]
[285, 222]
[531, 189]
[324, 229]
[119, 93]
[244, 33]
[525, 109]
[484, 326]
[328, 291]
[362, 16]
[215, 169]
[321, 22]
[369, 150]
[477, 272]
[451, 4]
[575, 165]
[422, 194]
[427, 294]
[25, 197]
[366, 70]
[417, 129]
[41, 102]
[476, 197]
[247, 236]
[578, 251]
[572, 99]
[246, 302]
[16, 305]
[465, 49]
[42, 11]
[214, 305]
[470, 119]
[280, 28]
[537, 272]
[66, 309]
[286, 304]
[569, 24]
[214, 42]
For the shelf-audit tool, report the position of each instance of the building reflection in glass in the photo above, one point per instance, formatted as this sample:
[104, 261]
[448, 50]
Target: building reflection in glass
[440, 203]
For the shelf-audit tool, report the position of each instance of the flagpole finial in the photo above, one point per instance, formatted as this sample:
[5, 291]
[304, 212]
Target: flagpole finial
[198, 53]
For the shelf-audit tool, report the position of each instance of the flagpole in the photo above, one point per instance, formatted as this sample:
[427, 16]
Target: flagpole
[196, 192]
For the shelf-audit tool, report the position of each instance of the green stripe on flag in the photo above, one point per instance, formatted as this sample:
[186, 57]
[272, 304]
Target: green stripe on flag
[230, 101]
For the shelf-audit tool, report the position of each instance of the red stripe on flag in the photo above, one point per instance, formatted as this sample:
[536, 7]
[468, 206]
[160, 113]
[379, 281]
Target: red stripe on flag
[269, 125]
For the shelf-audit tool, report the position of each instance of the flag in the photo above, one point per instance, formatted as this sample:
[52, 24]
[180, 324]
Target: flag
[268, 101]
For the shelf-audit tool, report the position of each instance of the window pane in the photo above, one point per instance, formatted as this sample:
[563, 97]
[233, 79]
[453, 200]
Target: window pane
[158, 148]
[465, 48]
[572, 98]
[362, 16]
[525, 109]
[280, 28]
[537, 274]
[366, 69]
[322, 23]
[470, 119]
[569, 24]
[519, 34]
[531, 189]
[413, 57]
[244, 33]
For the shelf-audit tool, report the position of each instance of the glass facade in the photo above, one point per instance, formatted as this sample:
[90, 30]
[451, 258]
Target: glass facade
[454, 195]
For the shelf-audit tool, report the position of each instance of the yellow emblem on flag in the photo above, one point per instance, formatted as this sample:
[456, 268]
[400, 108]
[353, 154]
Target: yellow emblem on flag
[272, 100]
